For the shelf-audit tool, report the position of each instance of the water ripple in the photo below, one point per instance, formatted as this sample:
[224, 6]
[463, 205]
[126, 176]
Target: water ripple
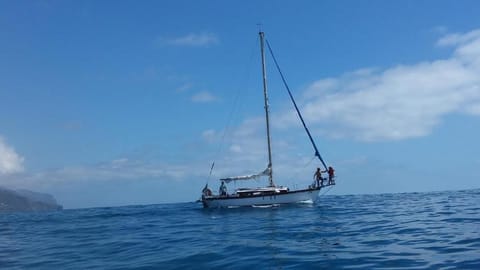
[439, 230]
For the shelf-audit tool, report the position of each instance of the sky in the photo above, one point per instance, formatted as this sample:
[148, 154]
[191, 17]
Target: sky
[109, 103]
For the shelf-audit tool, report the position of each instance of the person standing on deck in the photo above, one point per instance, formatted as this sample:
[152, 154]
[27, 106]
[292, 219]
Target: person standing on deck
[318, 177]
[331, 175]
[223, 189]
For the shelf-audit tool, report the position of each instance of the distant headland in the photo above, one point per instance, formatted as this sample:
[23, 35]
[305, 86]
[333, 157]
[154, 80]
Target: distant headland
[25, 200]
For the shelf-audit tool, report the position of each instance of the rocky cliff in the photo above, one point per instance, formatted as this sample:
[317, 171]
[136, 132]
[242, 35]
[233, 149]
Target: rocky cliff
[25, 200]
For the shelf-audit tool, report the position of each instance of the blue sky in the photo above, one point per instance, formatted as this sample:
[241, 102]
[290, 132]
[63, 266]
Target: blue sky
[106, 103]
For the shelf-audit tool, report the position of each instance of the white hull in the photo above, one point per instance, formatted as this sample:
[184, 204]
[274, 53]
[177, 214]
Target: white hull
[257, 200]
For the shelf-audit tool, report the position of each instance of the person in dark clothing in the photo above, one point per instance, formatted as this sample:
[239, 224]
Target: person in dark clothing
[223, 189]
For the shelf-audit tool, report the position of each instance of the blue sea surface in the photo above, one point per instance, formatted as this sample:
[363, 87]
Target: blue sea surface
[437, 230]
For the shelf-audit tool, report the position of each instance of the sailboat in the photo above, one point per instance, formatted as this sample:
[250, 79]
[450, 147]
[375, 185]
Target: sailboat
[270, 194]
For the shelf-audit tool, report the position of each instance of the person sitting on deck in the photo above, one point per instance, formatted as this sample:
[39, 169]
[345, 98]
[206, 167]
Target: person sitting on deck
[331, 175]
[206, 191]
[318, 177]
[223, 189]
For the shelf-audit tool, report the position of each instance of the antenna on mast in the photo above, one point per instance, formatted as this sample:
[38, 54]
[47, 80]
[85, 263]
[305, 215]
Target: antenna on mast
[259, 25]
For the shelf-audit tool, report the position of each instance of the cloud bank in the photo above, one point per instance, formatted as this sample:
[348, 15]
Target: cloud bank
[400, 102]
[114, 170]
[10, 161]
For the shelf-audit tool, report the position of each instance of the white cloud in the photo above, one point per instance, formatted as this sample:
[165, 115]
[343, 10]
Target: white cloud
[193, 40]
[204, 97]
[115, 170]
[123, 168]
[458, 38]
[244, 148]
[10, 161]
[399, 102]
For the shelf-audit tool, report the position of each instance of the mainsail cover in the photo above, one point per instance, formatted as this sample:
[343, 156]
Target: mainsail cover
[266, 172]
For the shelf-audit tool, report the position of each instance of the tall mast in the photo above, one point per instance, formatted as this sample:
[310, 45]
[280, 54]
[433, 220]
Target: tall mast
[264, 73]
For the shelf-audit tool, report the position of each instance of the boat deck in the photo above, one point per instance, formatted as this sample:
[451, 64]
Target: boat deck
[261, 192]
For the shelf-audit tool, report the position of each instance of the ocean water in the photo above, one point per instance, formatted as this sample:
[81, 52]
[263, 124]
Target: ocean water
[439, 230]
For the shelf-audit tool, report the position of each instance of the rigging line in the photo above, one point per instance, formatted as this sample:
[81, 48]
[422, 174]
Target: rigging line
[309, 162]
[329, 188]
[211, 169]
[317, 153]
[234, 107]
[297, 172]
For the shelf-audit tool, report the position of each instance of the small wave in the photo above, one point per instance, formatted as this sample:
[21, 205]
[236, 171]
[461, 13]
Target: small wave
[400, 231]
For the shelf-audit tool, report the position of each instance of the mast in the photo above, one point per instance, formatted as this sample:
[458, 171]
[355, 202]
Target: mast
[265, 96]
